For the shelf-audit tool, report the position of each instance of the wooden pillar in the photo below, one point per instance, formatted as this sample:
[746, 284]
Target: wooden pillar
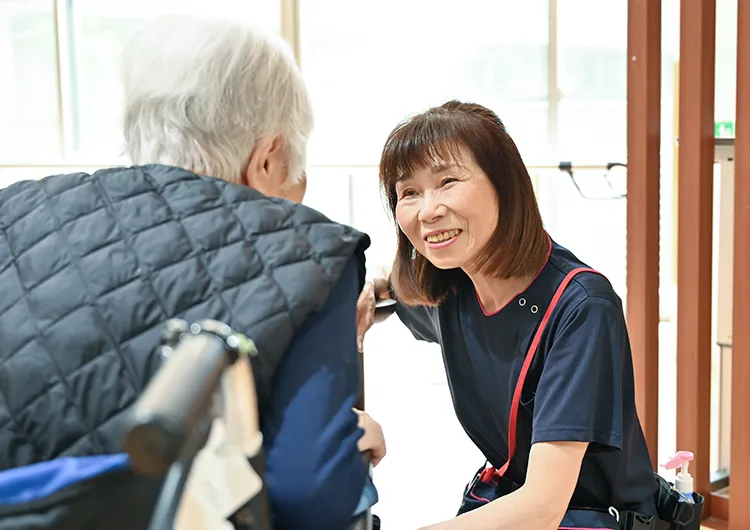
[694, 234]
[644, 136]
[739, 493]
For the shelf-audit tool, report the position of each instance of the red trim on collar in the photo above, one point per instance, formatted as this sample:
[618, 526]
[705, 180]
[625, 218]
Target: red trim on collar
[546, 260]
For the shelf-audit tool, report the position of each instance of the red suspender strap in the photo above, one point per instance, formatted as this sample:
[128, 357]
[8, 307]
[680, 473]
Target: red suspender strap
[527, 363]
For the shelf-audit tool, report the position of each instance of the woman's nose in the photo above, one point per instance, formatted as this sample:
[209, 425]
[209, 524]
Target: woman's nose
[430, 209]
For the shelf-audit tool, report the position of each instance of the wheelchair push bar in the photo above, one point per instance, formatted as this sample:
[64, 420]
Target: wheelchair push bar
[171, 421]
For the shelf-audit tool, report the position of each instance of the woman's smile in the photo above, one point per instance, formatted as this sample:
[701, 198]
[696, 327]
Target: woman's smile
[439, 240]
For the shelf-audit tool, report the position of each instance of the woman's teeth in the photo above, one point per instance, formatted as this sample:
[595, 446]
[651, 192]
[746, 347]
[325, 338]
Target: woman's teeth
[444, 236]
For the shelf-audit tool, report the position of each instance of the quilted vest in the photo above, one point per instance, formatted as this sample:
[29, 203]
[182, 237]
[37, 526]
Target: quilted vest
[91, 266]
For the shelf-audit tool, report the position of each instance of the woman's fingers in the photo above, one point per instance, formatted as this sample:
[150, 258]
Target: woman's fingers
[381, 288]
[372, 440]
[365, 313]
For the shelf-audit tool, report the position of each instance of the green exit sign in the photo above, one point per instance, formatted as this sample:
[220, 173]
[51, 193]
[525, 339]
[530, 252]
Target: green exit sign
[724, 129]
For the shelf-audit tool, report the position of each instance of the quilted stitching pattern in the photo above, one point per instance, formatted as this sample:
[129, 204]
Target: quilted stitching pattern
[92, 265]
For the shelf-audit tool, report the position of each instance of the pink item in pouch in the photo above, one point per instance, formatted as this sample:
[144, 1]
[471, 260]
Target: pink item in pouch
[678, 459]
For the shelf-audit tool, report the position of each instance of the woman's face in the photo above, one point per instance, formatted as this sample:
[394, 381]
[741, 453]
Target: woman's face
[449, 212]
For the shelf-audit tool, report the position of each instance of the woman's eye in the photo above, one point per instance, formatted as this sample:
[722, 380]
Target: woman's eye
[408, 193]
[448, 180]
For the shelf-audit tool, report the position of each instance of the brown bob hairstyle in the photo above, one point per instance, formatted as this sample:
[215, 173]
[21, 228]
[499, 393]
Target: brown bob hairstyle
[519, 245]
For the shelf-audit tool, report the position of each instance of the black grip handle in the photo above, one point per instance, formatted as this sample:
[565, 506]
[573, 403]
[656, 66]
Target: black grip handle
[174, 403]
[384, 308]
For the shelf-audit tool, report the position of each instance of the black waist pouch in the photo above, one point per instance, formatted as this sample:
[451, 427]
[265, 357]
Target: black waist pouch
[680, 515]
[673, 513]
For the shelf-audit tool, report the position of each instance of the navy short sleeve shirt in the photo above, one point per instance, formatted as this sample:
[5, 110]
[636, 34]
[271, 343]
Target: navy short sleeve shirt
[580, 386]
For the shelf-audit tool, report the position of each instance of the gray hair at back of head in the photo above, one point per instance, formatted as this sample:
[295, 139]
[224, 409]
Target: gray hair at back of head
[201, 93]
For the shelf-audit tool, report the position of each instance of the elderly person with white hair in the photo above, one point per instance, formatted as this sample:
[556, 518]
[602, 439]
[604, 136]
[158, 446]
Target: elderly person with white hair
[205, 225]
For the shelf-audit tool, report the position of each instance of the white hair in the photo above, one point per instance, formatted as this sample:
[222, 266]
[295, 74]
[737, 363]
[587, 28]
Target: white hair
[201, 93]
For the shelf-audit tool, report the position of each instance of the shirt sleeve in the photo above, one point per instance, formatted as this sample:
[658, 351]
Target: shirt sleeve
[579, 396]
[315, 473]
[420, 320]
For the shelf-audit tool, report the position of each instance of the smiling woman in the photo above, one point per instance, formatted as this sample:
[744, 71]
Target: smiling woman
[534, 341]
[457, 186]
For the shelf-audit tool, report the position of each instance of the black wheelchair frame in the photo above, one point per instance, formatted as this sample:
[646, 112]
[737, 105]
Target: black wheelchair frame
[206, 372]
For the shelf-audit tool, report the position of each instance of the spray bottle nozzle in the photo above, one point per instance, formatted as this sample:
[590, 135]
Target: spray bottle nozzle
[680, 459]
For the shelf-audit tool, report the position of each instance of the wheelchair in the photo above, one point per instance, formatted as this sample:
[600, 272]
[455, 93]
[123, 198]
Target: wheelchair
[204, 386]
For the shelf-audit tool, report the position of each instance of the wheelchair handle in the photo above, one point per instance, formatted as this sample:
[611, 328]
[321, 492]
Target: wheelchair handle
[384, 308]
[181, 394]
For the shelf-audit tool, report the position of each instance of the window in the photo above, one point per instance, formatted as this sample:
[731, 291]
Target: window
[594, 229]
[592, 129]
[592, 77]
[370, 64]
[29, 109]
[724, 177]
[85, 38]
[726, 61]
[367, 66]
[100, 29]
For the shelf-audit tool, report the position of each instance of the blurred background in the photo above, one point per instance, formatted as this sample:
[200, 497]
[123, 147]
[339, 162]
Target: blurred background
[553, 70]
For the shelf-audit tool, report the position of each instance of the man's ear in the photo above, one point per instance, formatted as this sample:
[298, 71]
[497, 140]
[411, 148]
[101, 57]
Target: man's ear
[267, 169]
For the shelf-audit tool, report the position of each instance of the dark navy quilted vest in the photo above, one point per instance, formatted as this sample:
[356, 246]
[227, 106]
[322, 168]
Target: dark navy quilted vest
[92, 265]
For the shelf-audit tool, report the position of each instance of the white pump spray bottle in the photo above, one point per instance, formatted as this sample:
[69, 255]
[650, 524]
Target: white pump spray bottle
[683, 482]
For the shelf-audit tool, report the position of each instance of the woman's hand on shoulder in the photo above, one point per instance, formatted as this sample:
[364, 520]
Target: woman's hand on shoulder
[375, 289]
[365, 312]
